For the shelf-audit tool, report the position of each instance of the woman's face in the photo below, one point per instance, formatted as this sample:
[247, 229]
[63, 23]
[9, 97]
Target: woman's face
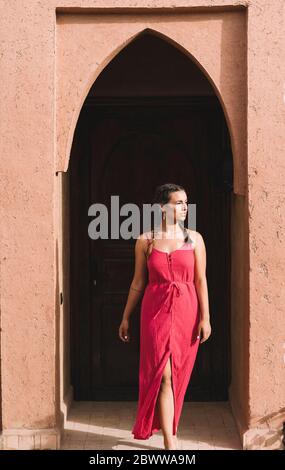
[177, 207]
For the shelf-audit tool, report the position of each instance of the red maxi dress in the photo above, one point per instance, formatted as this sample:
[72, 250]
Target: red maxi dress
[168, 327]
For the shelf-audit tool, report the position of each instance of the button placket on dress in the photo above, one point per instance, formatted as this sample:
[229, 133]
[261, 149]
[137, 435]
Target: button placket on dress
[173, 284]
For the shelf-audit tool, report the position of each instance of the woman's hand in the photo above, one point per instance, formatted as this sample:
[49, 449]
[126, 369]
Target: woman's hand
[205, 327]
[123, 331]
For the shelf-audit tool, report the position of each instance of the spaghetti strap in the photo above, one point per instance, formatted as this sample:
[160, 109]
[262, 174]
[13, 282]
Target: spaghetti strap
[151, 238]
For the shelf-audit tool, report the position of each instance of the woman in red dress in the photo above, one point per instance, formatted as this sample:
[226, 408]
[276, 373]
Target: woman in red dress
[174, 315]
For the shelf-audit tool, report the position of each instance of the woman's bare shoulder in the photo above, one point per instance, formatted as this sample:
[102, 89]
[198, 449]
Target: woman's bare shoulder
[195, 236]
[145, 236]
[143, 241]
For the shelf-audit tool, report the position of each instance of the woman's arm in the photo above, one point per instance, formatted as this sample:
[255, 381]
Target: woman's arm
[201, 287]
[137, 286]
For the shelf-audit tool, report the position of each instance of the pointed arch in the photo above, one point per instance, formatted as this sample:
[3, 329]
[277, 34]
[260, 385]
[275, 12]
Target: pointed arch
[99, 68]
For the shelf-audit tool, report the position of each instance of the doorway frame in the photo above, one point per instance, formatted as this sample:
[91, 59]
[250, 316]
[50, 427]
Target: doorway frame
[239, 389]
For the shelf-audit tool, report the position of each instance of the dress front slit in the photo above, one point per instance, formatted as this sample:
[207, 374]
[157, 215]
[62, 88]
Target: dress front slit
[156, 425]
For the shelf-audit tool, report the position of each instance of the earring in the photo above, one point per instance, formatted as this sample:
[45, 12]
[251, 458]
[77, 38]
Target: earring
[163, 215]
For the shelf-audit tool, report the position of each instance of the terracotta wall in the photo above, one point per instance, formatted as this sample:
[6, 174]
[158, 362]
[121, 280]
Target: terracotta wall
[38, 115]
[239, 387]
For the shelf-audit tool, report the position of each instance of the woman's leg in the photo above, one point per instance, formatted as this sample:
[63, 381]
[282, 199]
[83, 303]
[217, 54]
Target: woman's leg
[165, 403]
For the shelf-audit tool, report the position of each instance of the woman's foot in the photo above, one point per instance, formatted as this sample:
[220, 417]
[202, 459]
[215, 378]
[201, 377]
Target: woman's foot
[169, 444]
[176, 441]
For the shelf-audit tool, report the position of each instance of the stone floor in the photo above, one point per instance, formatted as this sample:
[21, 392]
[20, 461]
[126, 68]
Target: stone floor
[107, 425]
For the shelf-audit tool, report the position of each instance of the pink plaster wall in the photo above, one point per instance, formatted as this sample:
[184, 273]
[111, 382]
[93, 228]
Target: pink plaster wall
[239, 386]
[28, 281]
[38, 115]
[266, 172]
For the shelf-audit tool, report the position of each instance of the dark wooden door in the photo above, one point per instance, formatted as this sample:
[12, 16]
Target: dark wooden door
[126, 148]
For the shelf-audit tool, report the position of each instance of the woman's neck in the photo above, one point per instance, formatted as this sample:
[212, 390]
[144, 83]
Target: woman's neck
[170, 230]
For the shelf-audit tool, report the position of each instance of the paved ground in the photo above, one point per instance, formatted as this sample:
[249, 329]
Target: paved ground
[107, 425]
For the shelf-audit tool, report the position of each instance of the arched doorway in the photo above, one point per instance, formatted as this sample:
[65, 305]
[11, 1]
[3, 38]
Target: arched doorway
[142, 125]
